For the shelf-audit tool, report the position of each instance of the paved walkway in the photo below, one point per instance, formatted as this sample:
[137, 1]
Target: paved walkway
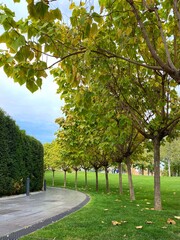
[20, 215]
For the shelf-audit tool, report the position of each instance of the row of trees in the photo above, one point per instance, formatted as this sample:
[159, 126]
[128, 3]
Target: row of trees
[170, 155]
[21, 156]
[117, 67]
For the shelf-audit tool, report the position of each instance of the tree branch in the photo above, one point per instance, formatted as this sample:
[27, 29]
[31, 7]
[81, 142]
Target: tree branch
[177, 13]
[154, 54]
[164, 40]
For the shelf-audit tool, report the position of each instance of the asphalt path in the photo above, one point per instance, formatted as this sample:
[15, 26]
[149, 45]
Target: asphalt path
[20, 215]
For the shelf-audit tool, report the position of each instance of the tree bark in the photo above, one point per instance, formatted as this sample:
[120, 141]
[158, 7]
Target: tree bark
[65, 179]
[53, 178]
[85, 175]
[107, 179]
[120, 178]
[97, 184]
[169, 167]
[76, 179]
[142, 170]
[157, 191]
[131, 187]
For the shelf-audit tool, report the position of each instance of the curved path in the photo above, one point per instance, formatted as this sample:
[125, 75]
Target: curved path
[20, 215]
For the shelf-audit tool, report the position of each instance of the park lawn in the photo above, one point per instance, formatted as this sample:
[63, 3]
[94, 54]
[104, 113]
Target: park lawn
[94, 221]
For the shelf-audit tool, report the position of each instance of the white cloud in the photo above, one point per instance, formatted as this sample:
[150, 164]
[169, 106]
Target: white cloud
[40, 108]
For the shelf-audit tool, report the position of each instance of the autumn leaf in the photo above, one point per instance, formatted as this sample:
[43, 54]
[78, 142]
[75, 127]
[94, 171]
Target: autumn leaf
[177, 217]
[139, 227]
[149, 222]
[115, 223]
[171, 221]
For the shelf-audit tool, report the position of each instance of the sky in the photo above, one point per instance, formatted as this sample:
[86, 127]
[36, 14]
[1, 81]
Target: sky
[35, 113]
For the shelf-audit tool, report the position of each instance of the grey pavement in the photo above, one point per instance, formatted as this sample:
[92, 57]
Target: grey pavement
[20, 215]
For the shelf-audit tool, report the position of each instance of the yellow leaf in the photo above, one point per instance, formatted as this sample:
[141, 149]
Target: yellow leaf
[128, 30]
[115, 223]
[171, 221]
[177, 217]
[72, 5]
[139, 227]
[149, 222]
[93, 30]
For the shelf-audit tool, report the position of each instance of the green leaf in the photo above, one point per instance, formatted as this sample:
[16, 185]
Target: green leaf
[30, 84]
[39, 82]
[94, 29]
[4, 37]
[8, 70]
[20, 41]
[41, 9]
[56, 13]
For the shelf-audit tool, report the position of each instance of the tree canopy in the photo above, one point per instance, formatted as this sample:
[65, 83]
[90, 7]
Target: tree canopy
[126, 51]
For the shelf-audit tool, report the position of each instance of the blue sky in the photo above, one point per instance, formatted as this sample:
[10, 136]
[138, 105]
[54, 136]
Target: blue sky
[35, 113]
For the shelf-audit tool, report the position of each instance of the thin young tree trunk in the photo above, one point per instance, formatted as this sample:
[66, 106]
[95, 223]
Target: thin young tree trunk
[120, 178]
[85, 175]
[65, 178]
[157, 189]
[53, 178]
[107, 179]
[76, 179]
[131, 187]
[97, 184]
[169, 167]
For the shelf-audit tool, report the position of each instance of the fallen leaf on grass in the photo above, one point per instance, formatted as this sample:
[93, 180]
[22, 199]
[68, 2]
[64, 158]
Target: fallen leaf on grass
[148, 203]
[139, 227]
[171, 221]
[115, 223]
[118, 223]
[149, 222]
[164, 227]
[177, 217]
[106, 209]
[117, 200]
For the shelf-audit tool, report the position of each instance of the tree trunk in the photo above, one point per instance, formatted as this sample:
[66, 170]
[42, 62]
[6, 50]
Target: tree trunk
[76, 179]
[157, 190]
[85, 175]
[107, 179]
[64, 178]
[120, 178]
[53, 178]
[169, 167]
[131, 188]
[97, 185]
[142, 170]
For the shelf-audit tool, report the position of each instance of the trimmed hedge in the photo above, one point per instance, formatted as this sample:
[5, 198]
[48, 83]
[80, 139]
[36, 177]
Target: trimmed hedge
[21, 156]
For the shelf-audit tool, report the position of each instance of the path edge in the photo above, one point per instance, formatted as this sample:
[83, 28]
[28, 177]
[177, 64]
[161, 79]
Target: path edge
[30, 229]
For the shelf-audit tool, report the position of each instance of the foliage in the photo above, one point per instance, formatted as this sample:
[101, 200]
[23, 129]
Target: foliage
[21, 156]
[170, 156]
[100, 50]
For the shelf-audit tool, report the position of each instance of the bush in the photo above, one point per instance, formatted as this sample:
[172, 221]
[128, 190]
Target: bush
[21, 156]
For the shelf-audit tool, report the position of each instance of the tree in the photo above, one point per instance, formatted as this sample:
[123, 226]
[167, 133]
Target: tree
[144, 58]
[52, 157]
[170, 156]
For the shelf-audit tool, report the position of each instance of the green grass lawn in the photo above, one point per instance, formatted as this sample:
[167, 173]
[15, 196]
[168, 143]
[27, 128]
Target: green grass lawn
[94, 221]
